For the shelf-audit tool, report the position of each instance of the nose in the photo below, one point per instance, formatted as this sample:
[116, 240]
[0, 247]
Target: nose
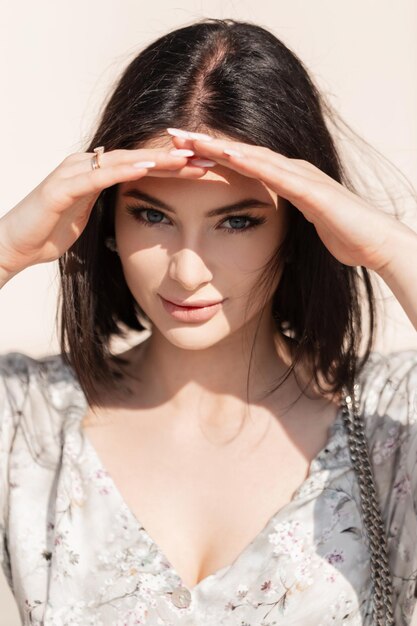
[188, 268]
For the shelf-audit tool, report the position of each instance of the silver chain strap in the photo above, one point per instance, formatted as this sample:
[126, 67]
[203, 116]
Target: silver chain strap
[371, 514]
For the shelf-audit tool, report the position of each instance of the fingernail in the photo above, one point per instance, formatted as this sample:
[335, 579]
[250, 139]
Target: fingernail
[181, 152]
[177, 132]
[203, 162]
[185, 134]
[200, 136]
[146, 164]
[231, 152]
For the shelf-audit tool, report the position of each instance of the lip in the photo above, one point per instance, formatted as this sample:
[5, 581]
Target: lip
[189, 314]
[194, 305]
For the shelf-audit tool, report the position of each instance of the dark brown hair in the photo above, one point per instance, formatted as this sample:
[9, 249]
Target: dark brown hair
[235, 79]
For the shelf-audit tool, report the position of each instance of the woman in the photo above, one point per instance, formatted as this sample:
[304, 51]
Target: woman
[218, 471]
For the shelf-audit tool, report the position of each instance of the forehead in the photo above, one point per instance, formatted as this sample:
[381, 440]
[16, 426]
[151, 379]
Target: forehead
[219, 181]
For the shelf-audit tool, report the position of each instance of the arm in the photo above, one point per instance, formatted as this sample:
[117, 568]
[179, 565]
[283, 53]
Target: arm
[400, 273]
[355, 232]
[4, 277]
[46, 223]
[5, 273]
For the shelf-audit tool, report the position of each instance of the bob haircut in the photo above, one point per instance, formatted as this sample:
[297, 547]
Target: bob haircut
[238, 80]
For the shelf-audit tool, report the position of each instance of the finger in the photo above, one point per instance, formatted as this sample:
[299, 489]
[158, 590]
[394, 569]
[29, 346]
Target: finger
[94, 181]
[81, 163]
[288, 179]
[180, 142]
[215, 149]
[188, 171]
[217, 143]
[294, 179]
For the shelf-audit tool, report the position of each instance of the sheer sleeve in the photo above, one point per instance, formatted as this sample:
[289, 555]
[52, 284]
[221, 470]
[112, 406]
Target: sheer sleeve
[13, 385]
[388, 400]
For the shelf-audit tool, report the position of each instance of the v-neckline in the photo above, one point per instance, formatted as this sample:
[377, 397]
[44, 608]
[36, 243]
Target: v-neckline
[335, 427]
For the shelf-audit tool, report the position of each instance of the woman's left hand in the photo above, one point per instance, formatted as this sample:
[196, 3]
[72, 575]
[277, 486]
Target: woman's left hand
[355, 232]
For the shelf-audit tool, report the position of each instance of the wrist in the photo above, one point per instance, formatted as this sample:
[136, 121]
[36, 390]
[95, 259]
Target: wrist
[7, 268]
[400, 272]
[401, 254]
[5, 276]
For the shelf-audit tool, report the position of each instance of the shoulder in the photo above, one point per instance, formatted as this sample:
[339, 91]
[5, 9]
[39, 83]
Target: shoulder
[21, 374]
[388, 403]
[388, 399]
[388, 385]
[37, 396]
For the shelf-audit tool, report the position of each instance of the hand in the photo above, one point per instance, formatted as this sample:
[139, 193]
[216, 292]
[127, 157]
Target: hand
[42, 226]
[355, 232]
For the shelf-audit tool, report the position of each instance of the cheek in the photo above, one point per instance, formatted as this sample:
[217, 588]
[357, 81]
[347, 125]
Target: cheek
[138, 258]
[257, 263]
[235, 260]
[142, 267]
[251, 253]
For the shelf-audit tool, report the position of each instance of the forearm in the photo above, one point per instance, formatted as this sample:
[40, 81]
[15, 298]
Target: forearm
[7, 266]
[5, 275]
[400, 273]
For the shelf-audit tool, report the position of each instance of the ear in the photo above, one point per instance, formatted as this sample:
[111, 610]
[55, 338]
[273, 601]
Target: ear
[110, 243]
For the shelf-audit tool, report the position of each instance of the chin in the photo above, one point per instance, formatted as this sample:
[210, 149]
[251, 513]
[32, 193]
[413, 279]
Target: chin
[197, 338]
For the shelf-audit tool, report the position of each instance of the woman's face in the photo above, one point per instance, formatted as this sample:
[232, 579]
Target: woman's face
[171, 248]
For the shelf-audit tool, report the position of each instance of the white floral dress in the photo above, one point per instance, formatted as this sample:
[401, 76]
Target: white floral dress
[75, 555]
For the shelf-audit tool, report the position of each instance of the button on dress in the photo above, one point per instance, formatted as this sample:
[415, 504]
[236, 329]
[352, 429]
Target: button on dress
[74, 554]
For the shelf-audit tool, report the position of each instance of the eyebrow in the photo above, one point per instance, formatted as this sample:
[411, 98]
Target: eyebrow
[248, 203]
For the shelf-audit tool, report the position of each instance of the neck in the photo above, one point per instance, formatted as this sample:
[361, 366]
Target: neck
[217, 376]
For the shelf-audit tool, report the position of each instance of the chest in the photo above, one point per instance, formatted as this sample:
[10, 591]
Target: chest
[202, 500]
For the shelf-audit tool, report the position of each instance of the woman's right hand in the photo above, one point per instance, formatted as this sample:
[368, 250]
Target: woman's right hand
[42, 226]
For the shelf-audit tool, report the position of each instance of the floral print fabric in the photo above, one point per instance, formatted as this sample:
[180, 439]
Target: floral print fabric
[75, 555]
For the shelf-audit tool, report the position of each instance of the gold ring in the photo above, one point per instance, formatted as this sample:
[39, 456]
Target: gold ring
[95, 162]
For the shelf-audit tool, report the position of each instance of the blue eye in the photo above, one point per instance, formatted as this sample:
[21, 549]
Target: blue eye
[154, 218]
[238, 221]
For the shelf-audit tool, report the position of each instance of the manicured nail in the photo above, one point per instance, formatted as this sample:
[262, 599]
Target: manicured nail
[231, 152]
[181, 152]
[177, 132]
[185, 134]
[143, 164]
[200, 136]
[203, 162]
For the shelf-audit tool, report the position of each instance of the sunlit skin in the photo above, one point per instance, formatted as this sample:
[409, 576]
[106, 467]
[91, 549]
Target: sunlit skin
[190, 257]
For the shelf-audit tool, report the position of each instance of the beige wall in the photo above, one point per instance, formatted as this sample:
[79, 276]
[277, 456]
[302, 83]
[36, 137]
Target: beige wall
[58, 59]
